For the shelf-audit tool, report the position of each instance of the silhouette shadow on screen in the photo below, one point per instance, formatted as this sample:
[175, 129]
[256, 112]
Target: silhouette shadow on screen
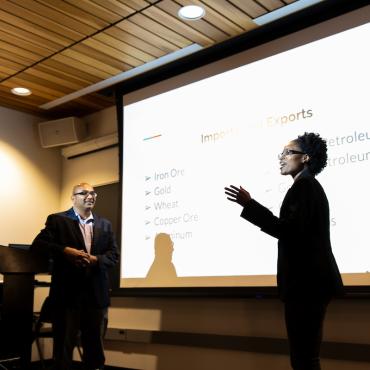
[162, 270]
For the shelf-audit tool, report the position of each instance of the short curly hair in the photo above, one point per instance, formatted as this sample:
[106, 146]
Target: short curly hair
[316, 148]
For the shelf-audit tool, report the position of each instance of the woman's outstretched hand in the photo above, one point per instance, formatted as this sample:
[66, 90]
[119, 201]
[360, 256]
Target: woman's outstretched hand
[238, 195]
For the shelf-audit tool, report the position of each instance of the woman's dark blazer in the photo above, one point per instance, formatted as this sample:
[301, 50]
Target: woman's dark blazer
[306, 266]
[72, 286]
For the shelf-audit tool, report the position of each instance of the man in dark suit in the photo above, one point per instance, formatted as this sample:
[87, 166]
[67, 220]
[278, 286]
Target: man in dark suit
[307, 274]
[83, 248]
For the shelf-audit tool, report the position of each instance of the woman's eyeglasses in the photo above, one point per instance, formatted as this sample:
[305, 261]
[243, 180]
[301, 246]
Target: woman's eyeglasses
[286, 152]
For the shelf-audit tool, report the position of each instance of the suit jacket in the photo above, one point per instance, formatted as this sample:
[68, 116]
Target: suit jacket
[73, 286]
[306, 265]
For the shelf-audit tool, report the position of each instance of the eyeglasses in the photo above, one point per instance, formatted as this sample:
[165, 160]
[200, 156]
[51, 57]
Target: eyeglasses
[85, 193]
[286, 152]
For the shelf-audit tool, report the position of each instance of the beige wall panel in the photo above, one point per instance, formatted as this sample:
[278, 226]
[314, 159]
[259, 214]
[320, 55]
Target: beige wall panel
[30, 178]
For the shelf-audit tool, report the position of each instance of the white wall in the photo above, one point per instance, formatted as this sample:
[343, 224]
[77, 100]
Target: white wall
[30, 178]
[347, 320]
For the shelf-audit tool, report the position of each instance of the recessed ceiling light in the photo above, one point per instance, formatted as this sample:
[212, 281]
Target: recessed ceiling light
[191, 12]
[21, 91]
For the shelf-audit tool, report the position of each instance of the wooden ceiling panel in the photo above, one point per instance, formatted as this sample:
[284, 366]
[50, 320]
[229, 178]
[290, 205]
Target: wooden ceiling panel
[136, 4]
[252, 8]
[11, 64]
[98, 54]
[50, 73]
[100, 11]
[54, 79]
[6, 71]
[59, 47]
[115, 45]
[17, 103]
[123, 10]
[85, 60]
[70, 71]
[16, 57]
[50, 19]
[131, 56]
[77, 64]
[137, 31]
[23, 35]
[23, 44]
[18, 52]
[33, 28]
[271, 4]
[75, 13]
[160, 30]
[132, 40]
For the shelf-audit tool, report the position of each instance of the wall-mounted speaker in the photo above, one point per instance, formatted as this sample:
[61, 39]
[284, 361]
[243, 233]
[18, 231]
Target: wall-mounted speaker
[62, 131]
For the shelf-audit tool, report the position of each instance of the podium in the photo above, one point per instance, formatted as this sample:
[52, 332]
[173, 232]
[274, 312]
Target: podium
[19, 268]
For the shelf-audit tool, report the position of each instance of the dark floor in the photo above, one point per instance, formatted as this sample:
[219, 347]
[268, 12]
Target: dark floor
[48, 365]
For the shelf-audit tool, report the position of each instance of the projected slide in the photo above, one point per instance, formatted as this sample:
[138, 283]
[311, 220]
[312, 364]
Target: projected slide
[183, 146]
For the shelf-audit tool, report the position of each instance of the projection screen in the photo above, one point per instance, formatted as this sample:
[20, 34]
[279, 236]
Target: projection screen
[186, 138]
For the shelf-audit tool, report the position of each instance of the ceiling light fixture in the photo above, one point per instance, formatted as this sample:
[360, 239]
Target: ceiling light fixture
[22, 91]
[191, 12]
